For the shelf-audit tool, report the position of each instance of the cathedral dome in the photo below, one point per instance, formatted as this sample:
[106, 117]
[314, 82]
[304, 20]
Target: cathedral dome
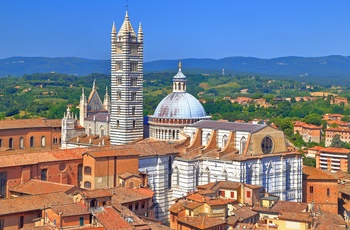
[180, 105]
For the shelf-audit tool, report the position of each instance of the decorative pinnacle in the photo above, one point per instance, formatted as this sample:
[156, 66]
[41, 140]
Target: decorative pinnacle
[113, 28]
[180, 65]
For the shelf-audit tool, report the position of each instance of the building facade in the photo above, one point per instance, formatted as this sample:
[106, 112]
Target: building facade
[240, 152]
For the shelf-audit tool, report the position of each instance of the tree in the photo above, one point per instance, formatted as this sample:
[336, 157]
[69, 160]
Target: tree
[337, 142]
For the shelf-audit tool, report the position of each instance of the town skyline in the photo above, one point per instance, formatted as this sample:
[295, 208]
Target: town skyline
[176, 30]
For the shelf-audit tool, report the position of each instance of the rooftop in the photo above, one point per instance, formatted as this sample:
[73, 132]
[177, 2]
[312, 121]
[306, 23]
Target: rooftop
[202, 222]
[311, 173]
[231, 126]
[35, 187]
[73, 209]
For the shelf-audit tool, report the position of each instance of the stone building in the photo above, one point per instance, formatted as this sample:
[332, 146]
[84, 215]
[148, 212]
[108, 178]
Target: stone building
[126, 84]
[175, 111]
[247, 153]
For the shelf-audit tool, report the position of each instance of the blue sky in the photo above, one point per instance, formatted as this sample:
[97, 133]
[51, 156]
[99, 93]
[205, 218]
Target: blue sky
[177, 29]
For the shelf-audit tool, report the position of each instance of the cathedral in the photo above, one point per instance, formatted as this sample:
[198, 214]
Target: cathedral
[204, 150]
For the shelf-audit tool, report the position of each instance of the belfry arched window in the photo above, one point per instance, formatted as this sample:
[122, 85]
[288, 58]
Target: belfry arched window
[242, 144]
[224, 141]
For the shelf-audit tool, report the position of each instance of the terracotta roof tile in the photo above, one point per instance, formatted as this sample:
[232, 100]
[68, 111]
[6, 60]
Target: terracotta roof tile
[311, 173]
[111, 219]
[178, 206]
[35, 187]
[202, 222]
[96, 193]
[334, 150]
[31, 203]
[126, 175]
[245, 212]
[28, 123]
[288, 206]
[125, 195]
[73, 209]
[16, 159]
[296, 216]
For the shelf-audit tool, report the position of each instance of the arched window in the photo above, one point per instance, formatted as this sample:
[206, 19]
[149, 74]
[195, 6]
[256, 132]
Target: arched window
[225, 175]
[87, 184]
[31, 142]
[87, 170]
[177, 176]
[242, 144]
[43, 141]
[117, 124]
[80, 174]
[11, 143]
[197, 176]
[119, 95]
[192, 136]
[90, 132]
[267, 145]
[224, 141]
[207, 138]
[102, 132]
[207, 174]
[21, 143]
[133, 124]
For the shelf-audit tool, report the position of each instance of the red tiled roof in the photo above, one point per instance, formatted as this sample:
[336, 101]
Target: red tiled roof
[316, 148]
[334, 150]
[35, 187]
[16, 159]
[338, 130]
[69, 209]
[125, 150]
[28, 123]
[311, 173]
[245, 213]
[196, 197]
[288, 206]
[202, 222]
[31, 203]
[125, 195]
[111, 219]
[126, 175]
[296, 216]
[96, 193]
[178, 206]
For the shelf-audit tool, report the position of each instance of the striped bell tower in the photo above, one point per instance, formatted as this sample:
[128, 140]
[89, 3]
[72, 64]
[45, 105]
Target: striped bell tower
[126, 84]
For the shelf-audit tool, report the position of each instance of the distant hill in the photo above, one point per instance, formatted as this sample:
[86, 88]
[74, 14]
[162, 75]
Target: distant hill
[323, 70]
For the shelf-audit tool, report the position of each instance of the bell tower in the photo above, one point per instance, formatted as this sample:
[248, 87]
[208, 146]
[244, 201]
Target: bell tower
[126, 84]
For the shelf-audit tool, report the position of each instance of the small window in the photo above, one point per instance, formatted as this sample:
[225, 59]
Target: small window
[130, 207]
[81, 221]
[118, 110]
[133, 81]
[248, 194]
[20, 222]
[137, 206]
[133, 124]
[87, 170]
[133, 110]
[328, 192]
[21, 143]
[232, 194]
[11, 143]
[44, 174]
[119, 80]
[311, 189]
[0, 142]
[43, 141]
[31, 142]
[118, 66]
[133, 66]
[87, 184]
[119, 95]
[142, 205]
[2, 224]
[222, 193]
[133, 96]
